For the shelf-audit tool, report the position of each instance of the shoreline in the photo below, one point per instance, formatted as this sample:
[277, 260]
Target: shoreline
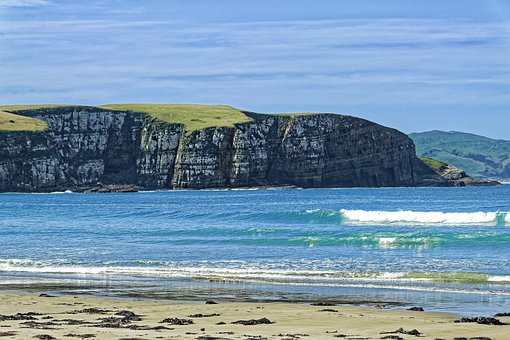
[67, 317]
[461, 303]
[132, 188]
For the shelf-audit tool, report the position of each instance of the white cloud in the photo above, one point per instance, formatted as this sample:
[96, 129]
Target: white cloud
[384, 69]
[24, 3]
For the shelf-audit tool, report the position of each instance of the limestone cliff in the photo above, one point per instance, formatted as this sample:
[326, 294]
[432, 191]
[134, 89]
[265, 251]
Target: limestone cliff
[87, 145]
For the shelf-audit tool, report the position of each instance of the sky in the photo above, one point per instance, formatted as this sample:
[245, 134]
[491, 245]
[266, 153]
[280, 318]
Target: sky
[409, 64]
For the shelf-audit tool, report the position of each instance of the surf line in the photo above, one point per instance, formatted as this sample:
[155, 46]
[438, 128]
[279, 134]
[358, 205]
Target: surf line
[425, 217]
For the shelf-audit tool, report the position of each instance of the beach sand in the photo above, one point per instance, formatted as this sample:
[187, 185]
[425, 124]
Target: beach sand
[81, 317]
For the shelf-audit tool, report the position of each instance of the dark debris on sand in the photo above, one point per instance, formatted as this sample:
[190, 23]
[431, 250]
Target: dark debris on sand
[129, 316]
[482, 320]
[148, 328]
[91, 310]
[19, 316]
[292, 336]
[71, 322]
[252, 322]
[416, 309]
[414, 332]
[177, 321]
[46, 295]
[80, 336]
[323, 304]
[199, 315]
[39, 325]
[9, 333]
[45, 337]
[499, 315]
[118, 322]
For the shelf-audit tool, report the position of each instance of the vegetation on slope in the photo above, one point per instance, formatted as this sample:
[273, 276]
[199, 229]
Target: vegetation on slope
[453, 174]
[479, 156]
[193, 117]
[434, 164]
[10, 121]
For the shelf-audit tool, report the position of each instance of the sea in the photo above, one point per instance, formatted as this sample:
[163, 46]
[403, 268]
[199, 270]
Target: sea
[443, 249]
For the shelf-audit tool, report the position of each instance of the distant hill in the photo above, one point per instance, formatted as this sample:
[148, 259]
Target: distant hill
[479, 156]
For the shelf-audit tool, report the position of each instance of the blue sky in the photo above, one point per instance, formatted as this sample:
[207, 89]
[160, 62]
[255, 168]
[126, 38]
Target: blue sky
[410, 64]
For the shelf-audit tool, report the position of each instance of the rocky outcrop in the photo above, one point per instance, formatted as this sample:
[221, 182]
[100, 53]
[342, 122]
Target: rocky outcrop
[453, 175]
[85, 146]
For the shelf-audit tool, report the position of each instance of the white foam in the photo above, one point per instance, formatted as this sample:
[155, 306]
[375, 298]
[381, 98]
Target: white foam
[387, 242]
[61, 192]
[218, 274]
[16, 263]
[198, 272]
[425, 217]
[390, 276]
[499, 278]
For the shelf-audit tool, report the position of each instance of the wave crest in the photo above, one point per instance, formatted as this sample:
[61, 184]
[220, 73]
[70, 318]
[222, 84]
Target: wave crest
[424, 217]
[245, 273]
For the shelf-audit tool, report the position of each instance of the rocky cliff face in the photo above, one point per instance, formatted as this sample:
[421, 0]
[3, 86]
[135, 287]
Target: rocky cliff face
[87, 145]
[83, 146]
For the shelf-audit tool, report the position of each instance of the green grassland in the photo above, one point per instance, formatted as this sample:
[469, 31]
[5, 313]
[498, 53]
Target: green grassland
[479, 156]
[193, 117]
[10, 121]
[436, 165]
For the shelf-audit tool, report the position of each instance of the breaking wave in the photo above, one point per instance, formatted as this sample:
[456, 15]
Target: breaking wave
[241, 273]
[425, 217]
[348, 216]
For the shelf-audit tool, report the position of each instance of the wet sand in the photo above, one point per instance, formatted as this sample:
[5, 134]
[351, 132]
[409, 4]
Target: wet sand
[30, 316]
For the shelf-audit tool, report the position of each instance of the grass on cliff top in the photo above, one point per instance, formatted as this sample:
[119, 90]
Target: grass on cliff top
[434, 164]
[193, 117]
[296, 114]
[10, 121]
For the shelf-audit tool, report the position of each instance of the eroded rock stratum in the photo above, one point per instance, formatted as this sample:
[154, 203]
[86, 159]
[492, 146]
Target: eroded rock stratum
[86, 145]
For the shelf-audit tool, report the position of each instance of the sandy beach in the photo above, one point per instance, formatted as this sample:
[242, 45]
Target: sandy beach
[32, 316]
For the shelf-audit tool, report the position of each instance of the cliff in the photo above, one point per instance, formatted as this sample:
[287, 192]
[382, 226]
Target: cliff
[82, 146]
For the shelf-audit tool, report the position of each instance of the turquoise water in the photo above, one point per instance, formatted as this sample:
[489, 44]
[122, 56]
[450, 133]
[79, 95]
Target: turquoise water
[442, 248]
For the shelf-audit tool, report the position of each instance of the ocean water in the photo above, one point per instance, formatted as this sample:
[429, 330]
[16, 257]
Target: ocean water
[445, 249]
